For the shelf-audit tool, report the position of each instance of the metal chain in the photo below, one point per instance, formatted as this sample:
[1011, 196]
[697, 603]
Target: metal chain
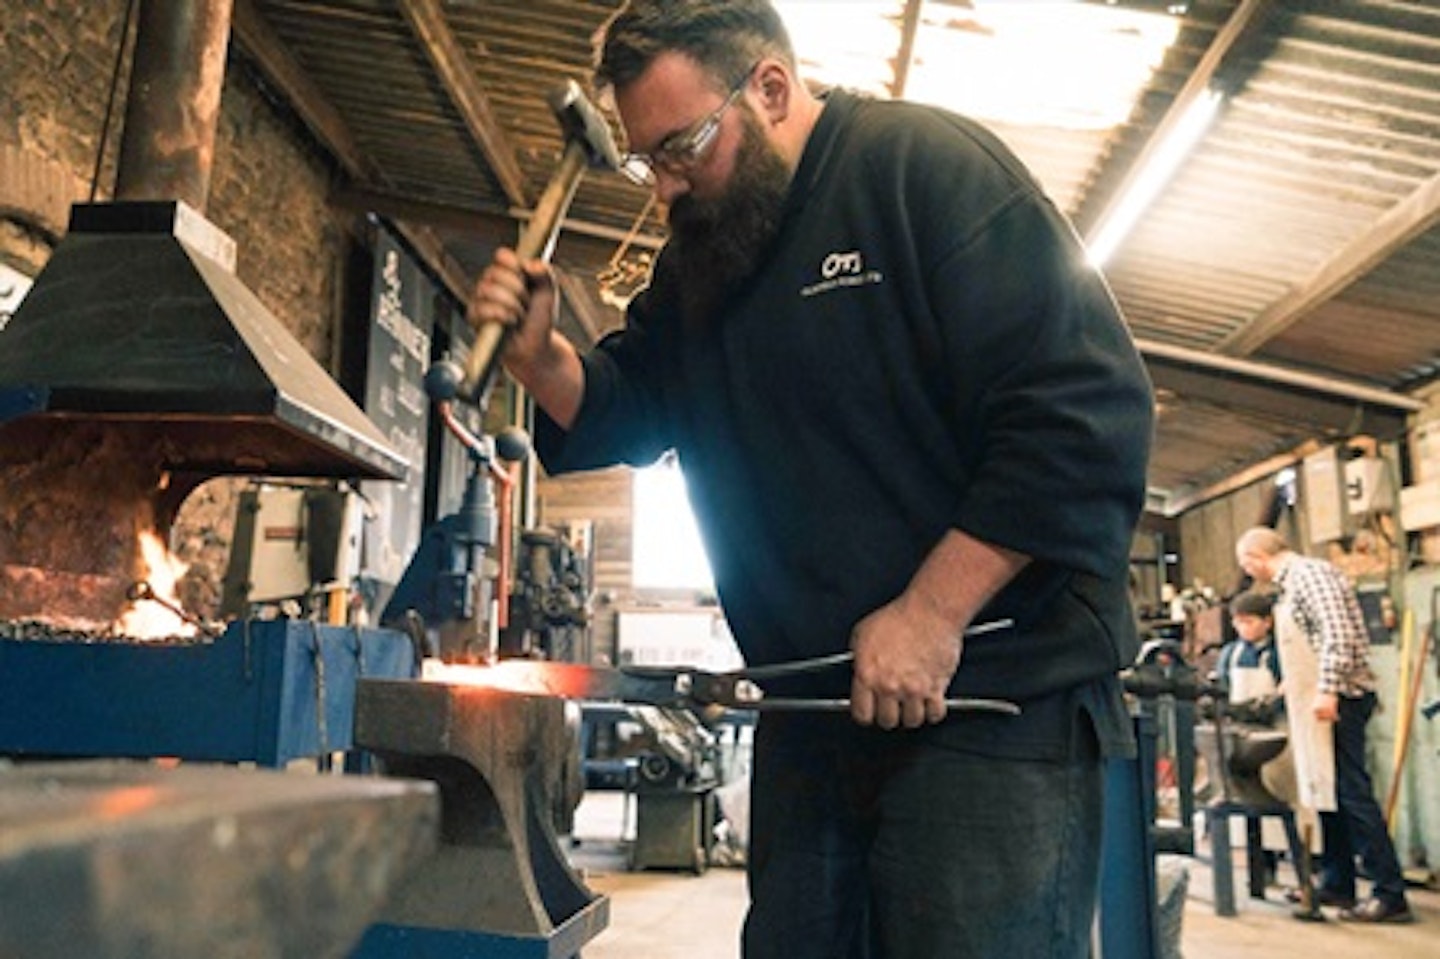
[318, 654]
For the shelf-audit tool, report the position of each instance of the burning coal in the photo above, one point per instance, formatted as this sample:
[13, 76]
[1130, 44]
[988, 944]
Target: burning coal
[78, 531]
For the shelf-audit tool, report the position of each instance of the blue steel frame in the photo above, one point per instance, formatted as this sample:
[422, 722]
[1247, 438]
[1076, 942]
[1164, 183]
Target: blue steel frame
[263, 692]
[385, 941]
[1128, 923]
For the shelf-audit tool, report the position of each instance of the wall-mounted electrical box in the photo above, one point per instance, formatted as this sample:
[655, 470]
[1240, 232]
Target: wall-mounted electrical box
[289, 540]
[1420, 506]
[1367, 486]
[1425, 451]
[1322, 496]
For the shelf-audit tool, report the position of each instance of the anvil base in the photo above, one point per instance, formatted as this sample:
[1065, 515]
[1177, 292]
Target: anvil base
[499, 886]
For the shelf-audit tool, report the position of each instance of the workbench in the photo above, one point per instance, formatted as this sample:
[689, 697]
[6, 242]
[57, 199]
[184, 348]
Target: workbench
[114, 859]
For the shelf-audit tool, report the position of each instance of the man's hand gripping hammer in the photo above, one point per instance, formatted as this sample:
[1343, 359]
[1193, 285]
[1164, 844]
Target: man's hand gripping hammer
[588, 143]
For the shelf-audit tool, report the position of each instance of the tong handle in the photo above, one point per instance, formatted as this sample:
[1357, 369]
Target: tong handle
[819, 663]
[963, 704]
[739, 688]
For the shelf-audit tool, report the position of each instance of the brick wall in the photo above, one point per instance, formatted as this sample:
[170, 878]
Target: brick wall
[59, 57]
[268, 190]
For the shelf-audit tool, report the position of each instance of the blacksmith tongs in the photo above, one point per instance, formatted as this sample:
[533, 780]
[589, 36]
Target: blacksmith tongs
[741, 688]
[680, 686]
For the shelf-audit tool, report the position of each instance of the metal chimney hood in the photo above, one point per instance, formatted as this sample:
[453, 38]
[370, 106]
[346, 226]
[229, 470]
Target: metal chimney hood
[139, 323]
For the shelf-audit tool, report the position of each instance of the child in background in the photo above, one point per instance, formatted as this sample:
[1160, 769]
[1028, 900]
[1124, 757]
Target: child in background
[1249, 665]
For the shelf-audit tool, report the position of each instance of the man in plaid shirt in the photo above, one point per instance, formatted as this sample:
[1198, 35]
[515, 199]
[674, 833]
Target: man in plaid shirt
[1323, 605]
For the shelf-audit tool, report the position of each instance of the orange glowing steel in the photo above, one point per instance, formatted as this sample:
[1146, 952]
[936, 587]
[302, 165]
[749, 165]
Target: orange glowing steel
[126, 801]
[519, 676]
[156, 618]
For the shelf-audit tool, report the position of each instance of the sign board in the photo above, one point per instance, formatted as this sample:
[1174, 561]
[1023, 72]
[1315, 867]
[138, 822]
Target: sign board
[402, 317]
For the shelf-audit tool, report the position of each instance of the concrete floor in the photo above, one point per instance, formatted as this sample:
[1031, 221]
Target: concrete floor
[677, 915]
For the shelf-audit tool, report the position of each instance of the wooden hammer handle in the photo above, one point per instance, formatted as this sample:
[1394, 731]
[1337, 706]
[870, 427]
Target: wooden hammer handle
[537, 241]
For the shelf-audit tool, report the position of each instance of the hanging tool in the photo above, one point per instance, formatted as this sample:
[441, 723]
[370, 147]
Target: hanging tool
[681, 686]
[588, 143]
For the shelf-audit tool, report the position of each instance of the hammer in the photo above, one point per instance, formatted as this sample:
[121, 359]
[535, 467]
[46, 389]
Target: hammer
[587, 143]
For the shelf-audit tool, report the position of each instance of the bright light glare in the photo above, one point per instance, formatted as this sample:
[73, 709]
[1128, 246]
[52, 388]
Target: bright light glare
[847, 44]
[1056, 63]
[1158, 171]
[668, 552]
[1061, 64]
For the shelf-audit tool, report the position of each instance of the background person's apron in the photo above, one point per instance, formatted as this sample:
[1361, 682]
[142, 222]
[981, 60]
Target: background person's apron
[1312, 742]
[1251, 682]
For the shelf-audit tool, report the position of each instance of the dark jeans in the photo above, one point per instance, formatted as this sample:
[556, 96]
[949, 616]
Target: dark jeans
[1357, 827]
[872, 845]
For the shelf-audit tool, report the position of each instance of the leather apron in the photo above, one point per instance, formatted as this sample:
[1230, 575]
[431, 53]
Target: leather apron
[1312, 742]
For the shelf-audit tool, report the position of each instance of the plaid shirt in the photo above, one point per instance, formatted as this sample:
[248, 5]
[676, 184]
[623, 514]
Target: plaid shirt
[1326, 608]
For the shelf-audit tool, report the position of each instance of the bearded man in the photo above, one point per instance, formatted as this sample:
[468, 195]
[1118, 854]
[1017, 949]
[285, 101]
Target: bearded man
[903, 404]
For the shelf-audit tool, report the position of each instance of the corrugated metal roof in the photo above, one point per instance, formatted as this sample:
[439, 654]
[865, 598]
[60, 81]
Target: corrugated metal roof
[1302, 231]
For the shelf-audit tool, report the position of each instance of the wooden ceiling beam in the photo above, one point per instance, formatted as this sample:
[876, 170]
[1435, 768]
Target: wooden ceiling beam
[431, 249]
[1402, 223]
[909, 27]
[1207, 70]
[273, 58]
[492, 226]
[1178, 503]
[1235, 370]
[593, 318]
[448, 216]
[457, 76]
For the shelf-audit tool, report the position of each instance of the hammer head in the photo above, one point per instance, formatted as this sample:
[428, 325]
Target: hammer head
[582, 122]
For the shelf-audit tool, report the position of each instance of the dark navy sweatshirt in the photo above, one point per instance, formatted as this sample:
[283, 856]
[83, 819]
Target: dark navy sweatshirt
[923, 348]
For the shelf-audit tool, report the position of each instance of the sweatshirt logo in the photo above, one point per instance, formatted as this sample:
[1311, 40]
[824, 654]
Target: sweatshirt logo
[842, 269]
